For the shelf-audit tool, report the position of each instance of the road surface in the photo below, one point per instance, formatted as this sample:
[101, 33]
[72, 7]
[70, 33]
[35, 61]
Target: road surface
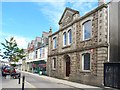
[40, 82]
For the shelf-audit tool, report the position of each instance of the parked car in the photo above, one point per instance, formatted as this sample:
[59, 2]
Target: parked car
[5, 70]
[9, 70]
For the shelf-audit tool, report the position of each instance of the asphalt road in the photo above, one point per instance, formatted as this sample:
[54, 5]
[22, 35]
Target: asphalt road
[40, 82]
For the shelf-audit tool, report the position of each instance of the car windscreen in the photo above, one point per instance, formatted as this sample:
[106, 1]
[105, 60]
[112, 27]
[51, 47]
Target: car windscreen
[7, 68]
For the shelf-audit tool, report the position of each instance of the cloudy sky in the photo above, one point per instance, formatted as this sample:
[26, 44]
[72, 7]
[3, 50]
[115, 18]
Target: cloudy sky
[26, 19]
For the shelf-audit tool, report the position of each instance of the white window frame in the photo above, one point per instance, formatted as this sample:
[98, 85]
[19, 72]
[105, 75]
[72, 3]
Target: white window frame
[69, 36]
[82, 23]
[64, 39]
[53, 64]
[43, 52]
[36, 54]
[84, 30]
[54, 42]
[42, 40]
[40, 52]
[83, 62]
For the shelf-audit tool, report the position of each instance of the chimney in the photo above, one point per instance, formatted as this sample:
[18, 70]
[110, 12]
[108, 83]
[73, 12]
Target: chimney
[50, 32]
[100, 2]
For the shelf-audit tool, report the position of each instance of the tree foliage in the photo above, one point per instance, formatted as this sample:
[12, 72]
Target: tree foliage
[11, 50]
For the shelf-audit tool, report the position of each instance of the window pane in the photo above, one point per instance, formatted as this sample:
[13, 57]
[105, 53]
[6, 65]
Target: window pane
[54, 63]
[54, 42]
[43, 53]
[36, 53]
[40, 52]
[70, 36]
[64, 36]
[87, 29]
[87, 61]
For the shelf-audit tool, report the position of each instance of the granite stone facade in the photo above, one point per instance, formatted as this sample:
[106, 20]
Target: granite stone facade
[69, 59]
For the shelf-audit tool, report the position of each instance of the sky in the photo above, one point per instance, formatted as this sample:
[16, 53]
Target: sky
[26, 19]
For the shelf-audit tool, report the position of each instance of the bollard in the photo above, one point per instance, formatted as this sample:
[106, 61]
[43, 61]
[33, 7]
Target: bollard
[23, 81]
[19, 78]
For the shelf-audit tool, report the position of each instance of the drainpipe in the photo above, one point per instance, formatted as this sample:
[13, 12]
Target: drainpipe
[108, 38]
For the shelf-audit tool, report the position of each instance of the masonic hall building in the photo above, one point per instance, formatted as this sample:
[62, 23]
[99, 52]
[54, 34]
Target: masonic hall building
[79, 48]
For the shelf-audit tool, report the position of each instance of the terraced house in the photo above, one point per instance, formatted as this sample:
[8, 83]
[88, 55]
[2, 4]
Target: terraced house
[79, 48]
[37, 54]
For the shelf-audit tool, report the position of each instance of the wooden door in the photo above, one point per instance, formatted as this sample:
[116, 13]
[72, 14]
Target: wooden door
[67, 68]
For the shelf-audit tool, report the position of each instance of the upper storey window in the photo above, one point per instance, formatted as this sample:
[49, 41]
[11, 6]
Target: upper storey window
[69, 36]
[36, 52]
[54, 43]
[87, 28]
[64, 39]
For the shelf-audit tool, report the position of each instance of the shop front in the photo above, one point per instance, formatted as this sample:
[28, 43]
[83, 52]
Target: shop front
[39, 67]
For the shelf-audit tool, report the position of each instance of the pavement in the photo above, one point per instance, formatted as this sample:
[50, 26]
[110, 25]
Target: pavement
[13, 83]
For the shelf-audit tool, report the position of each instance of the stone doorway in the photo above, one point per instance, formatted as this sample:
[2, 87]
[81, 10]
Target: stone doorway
[67, 60]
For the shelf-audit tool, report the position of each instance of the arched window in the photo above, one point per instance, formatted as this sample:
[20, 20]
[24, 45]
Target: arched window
[64, 39]
[54, 63]
[87, 29]
[69, 36]
[86, 61]
[54, 42]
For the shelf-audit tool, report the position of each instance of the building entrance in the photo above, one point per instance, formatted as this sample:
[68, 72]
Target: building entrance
[67, 59]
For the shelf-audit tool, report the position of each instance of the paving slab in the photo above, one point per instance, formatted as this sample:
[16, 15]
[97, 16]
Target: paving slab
[8, 82]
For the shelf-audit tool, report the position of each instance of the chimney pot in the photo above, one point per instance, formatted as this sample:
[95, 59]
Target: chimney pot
[100, 2]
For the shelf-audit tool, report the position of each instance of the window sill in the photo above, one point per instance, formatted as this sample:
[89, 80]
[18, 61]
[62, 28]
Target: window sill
[53, 69]
[85, 71]
[67, 46]
[86, 40]
[54, 49]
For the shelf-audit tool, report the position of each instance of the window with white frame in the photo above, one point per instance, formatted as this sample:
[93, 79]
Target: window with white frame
[40, 52]
[87, 29]
[64, 39]
[86, 61]
[36, 52]
[42, 40]
[54, 42]
[54, 63]
[69, 36]
[43, 53]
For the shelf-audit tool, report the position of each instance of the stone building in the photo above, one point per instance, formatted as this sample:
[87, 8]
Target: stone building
[79, 48]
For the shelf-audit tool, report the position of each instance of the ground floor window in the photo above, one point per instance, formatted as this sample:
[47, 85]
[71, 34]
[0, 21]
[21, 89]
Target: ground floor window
[54, 63]
[86, 61]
